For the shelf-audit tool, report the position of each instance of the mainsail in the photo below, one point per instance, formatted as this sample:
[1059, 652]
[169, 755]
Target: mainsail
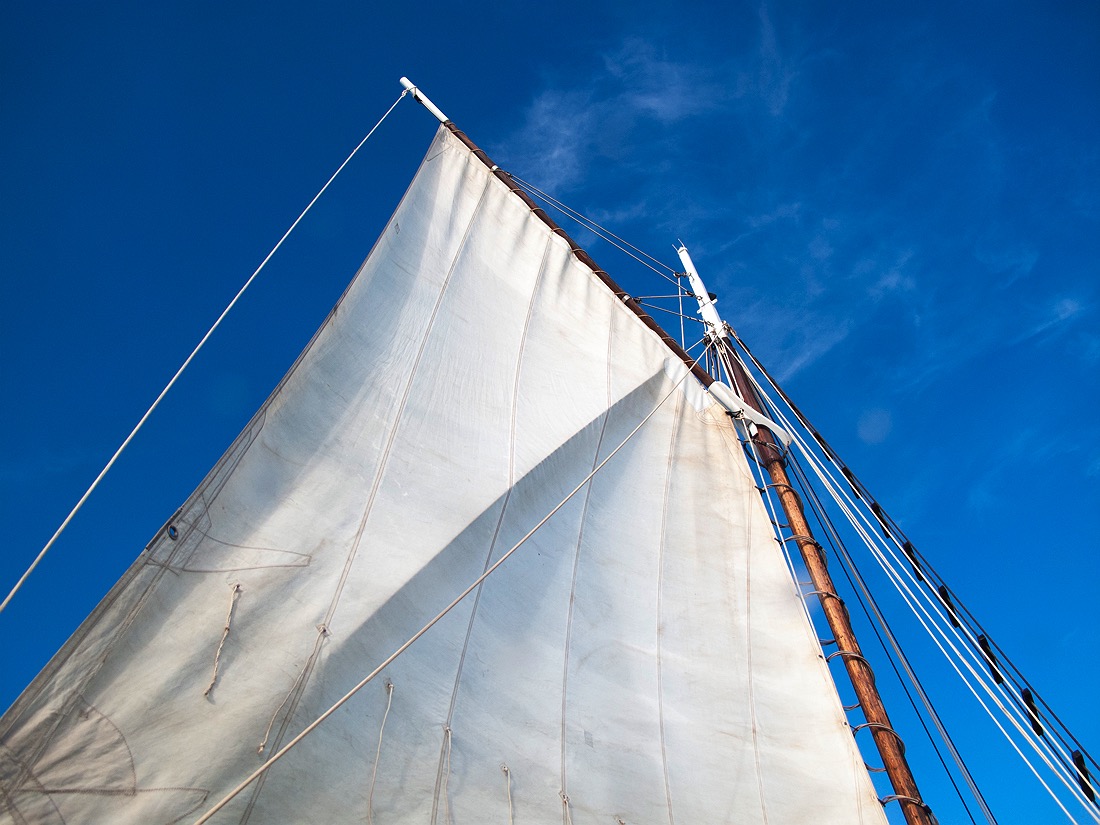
[643, 657]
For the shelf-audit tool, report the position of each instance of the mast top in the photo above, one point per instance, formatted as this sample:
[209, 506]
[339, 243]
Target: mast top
[716, 327]
[420, 97]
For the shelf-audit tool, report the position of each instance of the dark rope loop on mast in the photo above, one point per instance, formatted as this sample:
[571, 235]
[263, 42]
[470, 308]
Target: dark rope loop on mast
[882, 726]
[894, 797]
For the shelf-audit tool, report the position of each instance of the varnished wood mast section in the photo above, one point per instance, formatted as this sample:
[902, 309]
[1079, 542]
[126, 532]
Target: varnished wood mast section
[863, 680]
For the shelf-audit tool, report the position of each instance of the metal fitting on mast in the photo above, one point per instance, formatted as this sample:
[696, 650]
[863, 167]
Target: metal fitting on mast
[716, 327]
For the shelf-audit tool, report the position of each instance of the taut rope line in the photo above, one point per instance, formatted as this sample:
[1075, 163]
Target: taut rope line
[186, 363]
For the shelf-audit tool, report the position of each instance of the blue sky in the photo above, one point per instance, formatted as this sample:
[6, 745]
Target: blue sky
[899, 208]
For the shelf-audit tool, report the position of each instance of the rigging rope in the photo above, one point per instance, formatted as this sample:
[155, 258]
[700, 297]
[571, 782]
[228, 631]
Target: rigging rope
[1063, 771]
[275, 757]
[869, 536]
[604, 234]
[864, 597]
[849, 569]
[187, 362]
[915, 557]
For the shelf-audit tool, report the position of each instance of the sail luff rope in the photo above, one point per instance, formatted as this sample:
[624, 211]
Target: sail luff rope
[439, 616]
[854, 515]
[897, 535]
[187, 362]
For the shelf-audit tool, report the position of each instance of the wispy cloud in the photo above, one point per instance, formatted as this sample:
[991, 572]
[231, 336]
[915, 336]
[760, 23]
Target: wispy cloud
[607, 117]
[1055, 317]
[774, 71]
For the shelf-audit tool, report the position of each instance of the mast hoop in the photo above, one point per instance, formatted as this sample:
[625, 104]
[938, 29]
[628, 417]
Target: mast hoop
[804, 538]
[829, 594]
[885, 727]
[895, 797]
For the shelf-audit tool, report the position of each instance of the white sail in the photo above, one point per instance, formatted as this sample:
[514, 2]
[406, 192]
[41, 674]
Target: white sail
[643, 657]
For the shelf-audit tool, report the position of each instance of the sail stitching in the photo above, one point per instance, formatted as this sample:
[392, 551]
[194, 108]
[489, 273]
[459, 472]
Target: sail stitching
[375, 486]
[660, 612]
[576, 570]
[503, 510]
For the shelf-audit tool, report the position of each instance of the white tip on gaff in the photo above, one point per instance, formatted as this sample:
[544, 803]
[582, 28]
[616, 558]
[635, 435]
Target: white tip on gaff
[421, 98]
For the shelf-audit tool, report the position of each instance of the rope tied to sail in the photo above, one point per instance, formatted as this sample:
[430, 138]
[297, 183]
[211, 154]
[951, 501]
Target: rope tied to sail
[378, 753]
[567, 817]
[187, 362]
[504, 769]
[322, 633]
[446, 772]
[233, 595]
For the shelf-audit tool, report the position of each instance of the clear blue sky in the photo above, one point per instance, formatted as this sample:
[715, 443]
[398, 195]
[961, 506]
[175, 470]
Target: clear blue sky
[899, 208]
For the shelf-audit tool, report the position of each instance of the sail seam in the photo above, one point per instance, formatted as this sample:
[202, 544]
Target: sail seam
[576, 571]
[749, 683]
[659, 609]
[503, 511]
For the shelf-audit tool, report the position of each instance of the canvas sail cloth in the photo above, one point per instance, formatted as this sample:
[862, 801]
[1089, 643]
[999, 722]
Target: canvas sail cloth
[643, 657]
